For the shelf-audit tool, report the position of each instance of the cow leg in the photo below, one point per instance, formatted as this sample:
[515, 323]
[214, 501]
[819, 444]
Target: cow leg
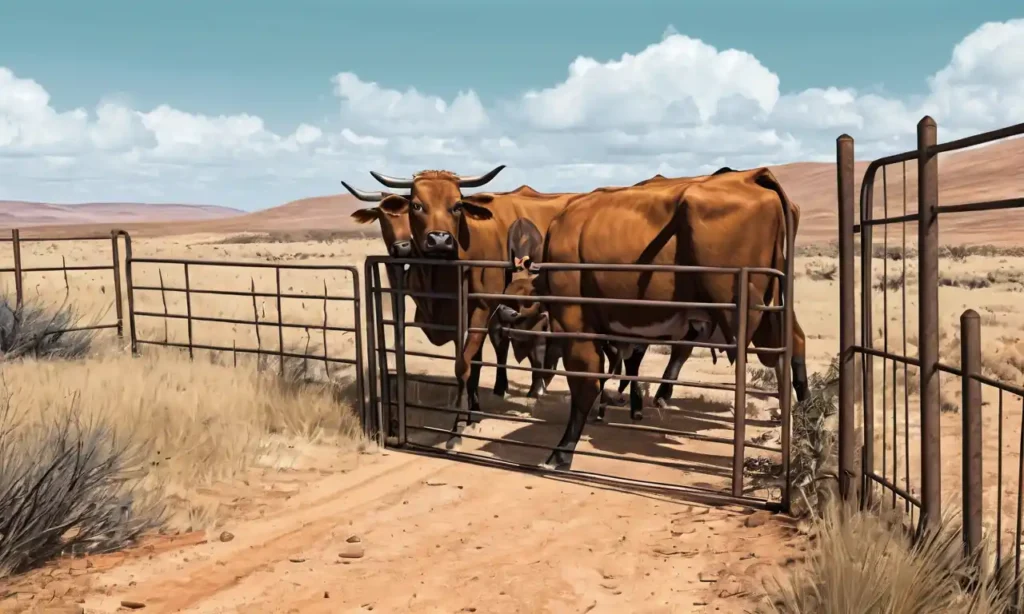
[615, 367]
[636, 400]
[538, 360]
[552, 355]
[468, 375]
[501, 375]
[585, 393]
[769, 334]
[680, 354]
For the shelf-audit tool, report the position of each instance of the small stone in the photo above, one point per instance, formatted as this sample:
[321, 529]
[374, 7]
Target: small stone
[435, 483]
[708, 576]
[133, 605]
[226, 536]
[297, 559]
[327, 595]
[758, 519]
[352, 551]
[354, 539]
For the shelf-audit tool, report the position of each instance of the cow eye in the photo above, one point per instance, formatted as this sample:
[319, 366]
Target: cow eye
[417, 206]
[457, 207]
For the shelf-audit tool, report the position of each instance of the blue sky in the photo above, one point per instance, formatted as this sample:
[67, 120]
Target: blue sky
[232, 63]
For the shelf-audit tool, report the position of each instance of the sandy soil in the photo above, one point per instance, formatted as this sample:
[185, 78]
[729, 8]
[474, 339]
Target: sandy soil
[395, 532]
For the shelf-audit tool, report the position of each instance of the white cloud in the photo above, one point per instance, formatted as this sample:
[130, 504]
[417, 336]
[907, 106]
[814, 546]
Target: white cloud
[678, 107]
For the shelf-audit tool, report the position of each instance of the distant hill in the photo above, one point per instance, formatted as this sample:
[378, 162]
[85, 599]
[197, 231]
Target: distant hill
[982, 173]
[23, 214]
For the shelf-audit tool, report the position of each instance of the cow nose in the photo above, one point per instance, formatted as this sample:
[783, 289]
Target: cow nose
[440, 242]
[401, 249]
[507, 315]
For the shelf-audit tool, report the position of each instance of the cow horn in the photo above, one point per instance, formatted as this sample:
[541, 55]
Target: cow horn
[392, 182]
[370, 197]
[476, 182]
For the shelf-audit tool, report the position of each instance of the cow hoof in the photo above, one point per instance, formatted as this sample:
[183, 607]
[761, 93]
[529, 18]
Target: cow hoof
[454, 444]
[637, 416]
[535, 392]
[556, 463]
[500, 390]
[661, 403]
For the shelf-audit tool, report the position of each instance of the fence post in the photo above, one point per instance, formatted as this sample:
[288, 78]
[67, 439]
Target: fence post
[130, 289]
[970, 363]
[845, 178]
[928, 321]
[740, 401]
[118, 307]
[19, 293]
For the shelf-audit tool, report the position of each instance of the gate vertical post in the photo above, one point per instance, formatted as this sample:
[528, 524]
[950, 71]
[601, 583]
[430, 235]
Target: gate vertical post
[19, 291]
[130, 288]
[740, 404]
[372, 427]
[399, 310]
[358, 325]
[387, 425]
[118, 307]
[845, 178]
[970, 362]
[928, 322]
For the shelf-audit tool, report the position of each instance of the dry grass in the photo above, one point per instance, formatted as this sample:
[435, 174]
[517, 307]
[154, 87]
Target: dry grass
[867, 562]
[296, 236]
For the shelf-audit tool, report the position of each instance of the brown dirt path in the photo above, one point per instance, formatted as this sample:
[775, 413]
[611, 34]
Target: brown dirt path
[442, 536]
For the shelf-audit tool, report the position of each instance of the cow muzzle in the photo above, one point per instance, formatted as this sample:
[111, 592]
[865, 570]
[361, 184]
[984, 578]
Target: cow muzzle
[401, 249]
[507, 315]
[439, 245]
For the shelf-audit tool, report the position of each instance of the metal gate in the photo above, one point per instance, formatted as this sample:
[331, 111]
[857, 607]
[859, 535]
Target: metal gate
[413, 391]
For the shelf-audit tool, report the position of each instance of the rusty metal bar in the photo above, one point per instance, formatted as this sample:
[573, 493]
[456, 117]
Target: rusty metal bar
[589, 300]
[221, 348]
[977, 139]
[894, 488]
[19, 292]
[248, 265]
[786, 383]
[867, 196]
[740, 398]
[280, 317]
[188, 313]
[388, 426]
[130, 287]
[907, 360]
[118, 307]
[623, 339]
[246, 293]
[357, 324]
[398, 309]
[336, 329]
[928, 322]
[970, 358]
[846, 178]
[79, 267]
[372, 421]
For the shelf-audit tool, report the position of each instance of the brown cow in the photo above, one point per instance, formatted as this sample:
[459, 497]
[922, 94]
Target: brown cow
[446, 224]
[730, 219]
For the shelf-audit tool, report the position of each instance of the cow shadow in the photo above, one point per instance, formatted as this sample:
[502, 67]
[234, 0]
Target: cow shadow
[543, 422]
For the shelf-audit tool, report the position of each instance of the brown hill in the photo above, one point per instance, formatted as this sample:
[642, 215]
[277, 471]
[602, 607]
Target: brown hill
[23, 214]
[982, 173]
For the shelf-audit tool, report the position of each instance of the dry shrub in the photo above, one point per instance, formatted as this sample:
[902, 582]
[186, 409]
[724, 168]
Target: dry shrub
[890, 283]
[818, 250]
[33, 329]
[822, 271]
[1004, 360]
[868, 562]
[969, 281]
[293, 236]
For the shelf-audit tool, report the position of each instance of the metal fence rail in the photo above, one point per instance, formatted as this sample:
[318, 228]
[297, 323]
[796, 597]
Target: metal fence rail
[389, 397]
[893, 469]
[20, 271]
[189, 267]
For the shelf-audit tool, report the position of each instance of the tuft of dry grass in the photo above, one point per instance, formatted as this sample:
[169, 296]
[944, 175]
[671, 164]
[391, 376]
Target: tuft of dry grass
[297, 236]
[868, 562]
[819, 271]
[34, 329]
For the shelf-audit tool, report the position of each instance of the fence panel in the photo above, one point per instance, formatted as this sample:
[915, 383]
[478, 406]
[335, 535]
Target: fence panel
[22, 266]
[920, 443]
[405, 383]
[207, 297]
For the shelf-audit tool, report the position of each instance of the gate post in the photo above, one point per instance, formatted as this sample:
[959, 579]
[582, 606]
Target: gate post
[845, 177]
[118, 307]
[19, 293]
[928, 321]
[970, 363]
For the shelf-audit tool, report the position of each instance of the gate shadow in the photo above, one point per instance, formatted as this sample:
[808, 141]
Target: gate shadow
[697, 416]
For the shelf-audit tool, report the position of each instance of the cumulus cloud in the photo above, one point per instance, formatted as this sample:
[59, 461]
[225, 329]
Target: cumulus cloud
[679, 106]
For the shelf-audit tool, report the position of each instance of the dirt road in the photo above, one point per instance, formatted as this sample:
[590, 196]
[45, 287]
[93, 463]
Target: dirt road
[404, 533]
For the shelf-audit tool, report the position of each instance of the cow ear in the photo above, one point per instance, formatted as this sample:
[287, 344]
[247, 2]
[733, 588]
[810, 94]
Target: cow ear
[365, 216]
[479, 199]
[394, 205]
[476, 211]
